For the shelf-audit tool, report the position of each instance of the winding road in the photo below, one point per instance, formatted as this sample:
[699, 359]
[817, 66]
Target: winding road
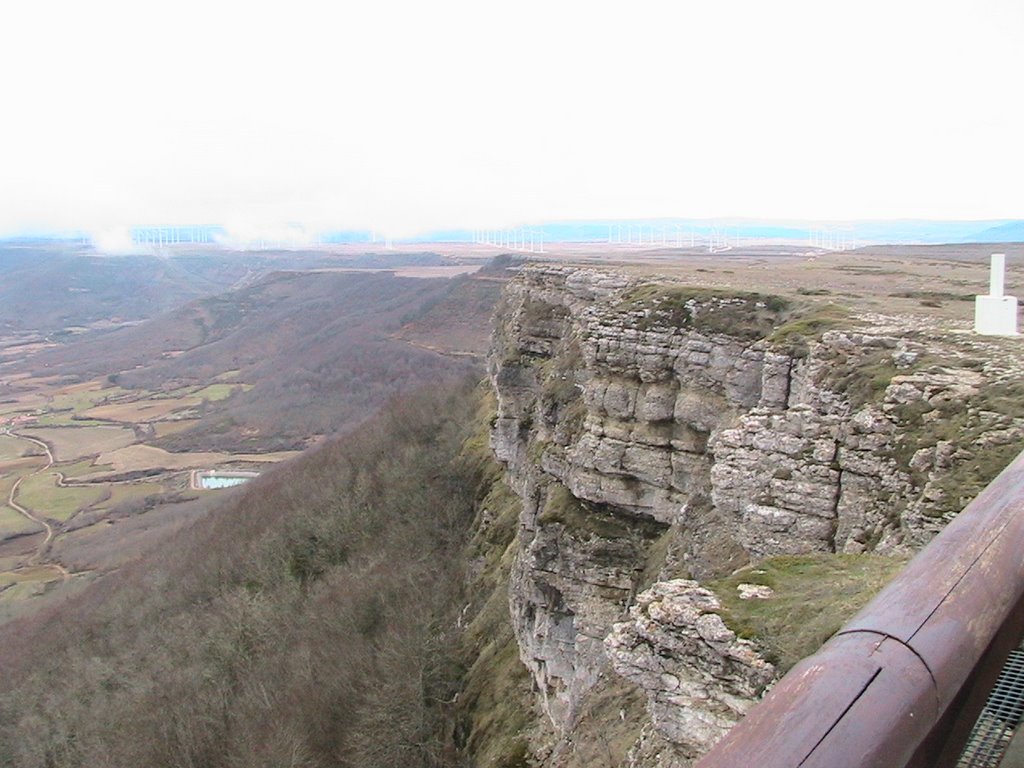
[27, 513]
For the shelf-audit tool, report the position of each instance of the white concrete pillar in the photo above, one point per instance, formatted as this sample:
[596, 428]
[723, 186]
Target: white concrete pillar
[996, 276]
[996, 314]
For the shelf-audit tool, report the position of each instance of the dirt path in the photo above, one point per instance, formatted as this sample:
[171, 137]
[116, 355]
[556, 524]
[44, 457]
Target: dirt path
[28, 514]
[436, 350]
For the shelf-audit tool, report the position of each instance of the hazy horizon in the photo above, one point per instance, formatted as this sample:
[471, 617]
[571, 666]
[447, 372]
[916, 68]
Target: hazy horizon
[405, 119]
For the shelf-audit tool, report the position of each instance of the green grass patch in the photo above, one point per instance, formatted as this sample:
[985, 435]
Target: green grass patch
[492, 539]
[866, 380]
[494, 709]
[495, 702]
[41, 494]
[962, 482]
[740, 314]
[923, 426]
[67, 419]
[561, 507]
[814, 596]
[215, 392]
[82, 401]
[78, 468]
[809, 326]
[1006, 398]
[13, 523]
[540, 316]
[657, 555]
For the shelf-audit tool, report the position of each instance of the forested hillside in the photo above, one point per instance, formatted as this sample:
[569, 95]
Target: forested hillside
[317, 347]
[313, 619]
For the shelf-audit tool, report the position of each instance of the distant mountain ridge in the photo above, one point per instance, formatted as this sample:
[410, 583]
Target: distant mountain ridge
[1011, 232]
[678, 231]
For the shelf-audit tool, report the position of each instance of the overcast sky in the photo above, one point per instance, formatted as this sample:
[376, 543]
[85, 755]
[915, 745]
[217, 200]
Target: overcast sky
[410, 115]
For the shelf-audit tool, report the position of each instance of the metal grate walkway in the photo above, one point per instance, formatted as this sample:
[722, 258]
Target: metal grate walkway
[999, 719]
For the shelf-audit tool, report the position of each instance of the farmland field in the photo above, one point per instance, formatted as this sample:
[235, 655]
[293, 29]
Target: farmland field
[129, 492]
[41, 494]
[127, 412]
[140, 411]
[142, 457]
[22, 465]
[71, 443]
[164, 428]
[11, 448]
[13, 523]
[118, 495]
[79, 469]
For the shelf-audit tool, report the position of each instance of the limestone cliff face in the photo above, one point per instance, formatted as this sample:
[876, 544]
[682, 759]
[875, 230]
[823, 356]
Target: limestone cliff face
[654, 431]
[700, 677]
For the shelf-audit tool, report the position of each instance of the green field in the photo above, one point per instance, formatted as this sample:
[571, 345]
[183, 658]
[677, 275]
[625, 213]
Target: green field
[41, 494]
[211, 392]
[66, 419]
[71, 443]
[72, 470]
[216, 392]
[12, 448]
[84, 399]
[13, 523]
[6, 481]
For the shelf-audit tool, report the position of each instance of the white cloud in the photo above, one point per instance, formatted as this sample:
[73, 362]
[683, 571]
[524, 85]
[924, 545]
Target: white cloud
[116, 241]
[403, 115]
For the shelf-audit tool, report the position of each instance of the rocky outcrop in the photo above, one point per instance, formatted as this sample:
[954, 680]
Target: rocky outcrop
[699, 677]
[654, 431]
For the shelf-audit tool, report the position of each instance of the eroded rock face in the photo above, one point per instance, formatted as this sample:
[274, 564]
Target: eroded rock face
[700, 679]
[652, 435]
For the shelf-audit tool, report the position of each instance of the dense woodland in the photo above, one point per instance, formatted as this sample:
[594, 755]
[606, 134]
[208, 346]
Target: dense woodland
[310, 620]
[341, 610]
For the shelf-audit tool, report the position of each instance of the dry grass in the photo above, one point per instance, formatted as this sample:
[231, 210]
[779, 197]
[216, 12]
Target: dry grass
[121, 493]
[865, 279]
[164, 428]
[22, 465]
[24, 402]
[11, 448]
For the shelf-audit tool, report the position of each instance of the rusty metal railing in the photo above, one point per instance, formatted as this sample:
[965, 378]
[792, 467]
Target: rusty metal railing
[901, 685]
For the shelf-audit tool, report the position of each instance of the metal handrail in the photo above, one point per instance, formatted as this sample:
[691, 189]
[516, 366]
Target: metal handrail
[901, 684]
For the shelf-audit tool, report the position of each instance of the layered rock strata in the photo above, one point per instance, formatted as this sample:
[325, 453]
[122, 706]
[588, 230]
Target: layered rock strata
[700, 678]
[656, 430]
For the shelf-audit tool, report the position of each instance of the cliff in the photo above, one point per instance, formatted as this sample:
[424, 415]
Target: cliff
[660, 437]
